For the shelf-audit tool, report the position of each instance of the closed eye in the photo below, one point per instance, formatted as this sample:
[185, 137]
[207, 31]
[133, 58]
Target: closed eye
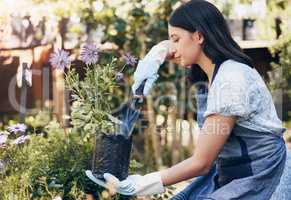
[175, 40]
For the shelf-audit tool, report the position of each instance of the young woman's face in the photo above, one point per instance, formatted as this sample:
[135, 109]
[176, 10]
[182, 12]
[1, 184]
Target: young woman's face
[186, 46]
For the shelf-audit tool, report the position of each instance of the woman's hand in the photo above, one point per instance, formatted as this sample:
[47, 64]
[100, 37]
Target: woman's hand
[147, 68]
[133, 185]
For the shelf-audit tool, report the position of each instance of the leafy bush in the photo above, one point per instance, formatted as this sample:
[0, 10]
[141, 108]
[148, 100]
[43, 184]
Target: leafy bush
[45, 161]
[45, 166]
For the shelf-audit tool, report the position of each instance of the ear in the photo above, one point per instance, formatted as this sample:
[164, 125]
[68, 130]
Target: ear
[197, 36]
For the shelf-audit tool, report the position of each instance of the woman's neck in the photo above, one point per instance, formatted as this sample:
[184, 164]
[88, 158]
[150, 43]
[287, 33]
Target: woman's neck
[207, 66]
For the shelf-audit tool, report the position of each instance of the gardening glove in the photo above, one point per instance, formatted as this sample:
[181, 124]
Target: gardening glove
[147, 68]
[133, 185]
[138, 185]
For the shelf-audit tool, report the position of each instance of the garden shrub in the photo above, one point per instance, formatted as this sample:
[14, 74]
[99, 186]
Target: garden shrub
[46, 167]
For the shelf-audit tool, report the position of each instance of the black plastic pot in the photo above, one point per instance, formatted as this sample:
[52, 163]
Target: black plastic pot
[112, 155]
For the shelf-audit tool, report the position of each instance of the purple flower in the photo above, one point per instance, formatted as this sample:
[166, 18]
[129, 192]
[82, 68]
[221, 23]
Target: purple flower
[21, 139]
[17, 128]
[60, 59]
[3, 138]
[119, 77]
[129, 59]
[89, 54]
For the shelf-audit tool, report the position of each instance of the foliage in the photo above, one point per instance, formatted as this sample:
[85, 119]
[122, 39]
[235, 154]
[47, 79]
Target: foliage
[47, 166]
[50, 165]
[92, 98]
[282, 51]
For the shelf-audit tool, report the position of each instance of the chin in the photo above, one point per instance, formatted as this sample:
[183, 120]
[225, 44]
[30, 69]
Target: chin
[185, 64]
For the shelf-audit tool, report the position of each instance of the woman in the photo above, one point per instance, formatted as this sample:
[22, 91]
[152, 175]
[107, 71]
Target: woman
[240, 153]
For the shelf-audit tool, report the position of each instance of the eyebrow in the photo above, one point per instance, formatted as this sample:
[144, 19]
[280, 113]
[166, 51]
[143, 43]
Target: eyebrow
[172, 35]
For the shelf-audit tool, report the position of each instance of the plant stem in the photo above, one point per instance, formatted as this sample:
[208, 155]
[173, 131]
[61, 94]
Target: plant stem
[122, 68]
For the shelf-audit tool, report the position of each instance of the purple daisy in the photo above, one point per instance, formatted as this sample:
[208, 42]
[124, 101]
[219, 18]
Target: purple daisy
[89, 54]
[3, 138]
[21, 139]
[17, 128]
[60, 59]
[129, 59]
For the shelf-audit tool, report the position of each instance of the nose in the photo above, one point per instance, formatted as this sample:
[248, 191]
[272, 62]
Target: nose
[173, 50]
[172, 47]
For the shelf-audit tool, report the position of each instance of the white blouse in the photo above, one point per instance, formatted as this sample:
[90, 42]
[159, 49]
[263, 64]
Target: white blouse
[238, 90]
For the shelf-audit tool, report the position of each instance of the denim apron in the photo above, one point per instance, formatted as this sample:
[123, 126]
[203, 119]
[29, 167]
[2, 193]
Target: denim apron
[249, 167]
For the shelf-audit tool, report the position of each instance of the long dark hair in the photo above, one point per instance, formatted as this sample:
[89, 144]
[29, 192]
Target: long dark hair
[218, 45]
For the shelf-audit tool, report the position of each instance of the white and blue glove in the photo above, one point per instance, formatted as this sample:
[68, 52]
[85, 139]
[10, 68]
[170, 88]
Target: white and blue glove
[133, 185]
[147, 68]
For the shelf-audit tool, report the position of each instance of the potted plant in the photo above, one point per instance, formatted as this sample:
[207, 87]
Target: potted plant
[93, 106]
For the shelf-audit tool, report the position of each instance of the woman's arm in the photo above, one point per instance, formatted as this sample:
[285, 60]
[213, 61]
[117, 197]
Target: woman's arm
[212, 137]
